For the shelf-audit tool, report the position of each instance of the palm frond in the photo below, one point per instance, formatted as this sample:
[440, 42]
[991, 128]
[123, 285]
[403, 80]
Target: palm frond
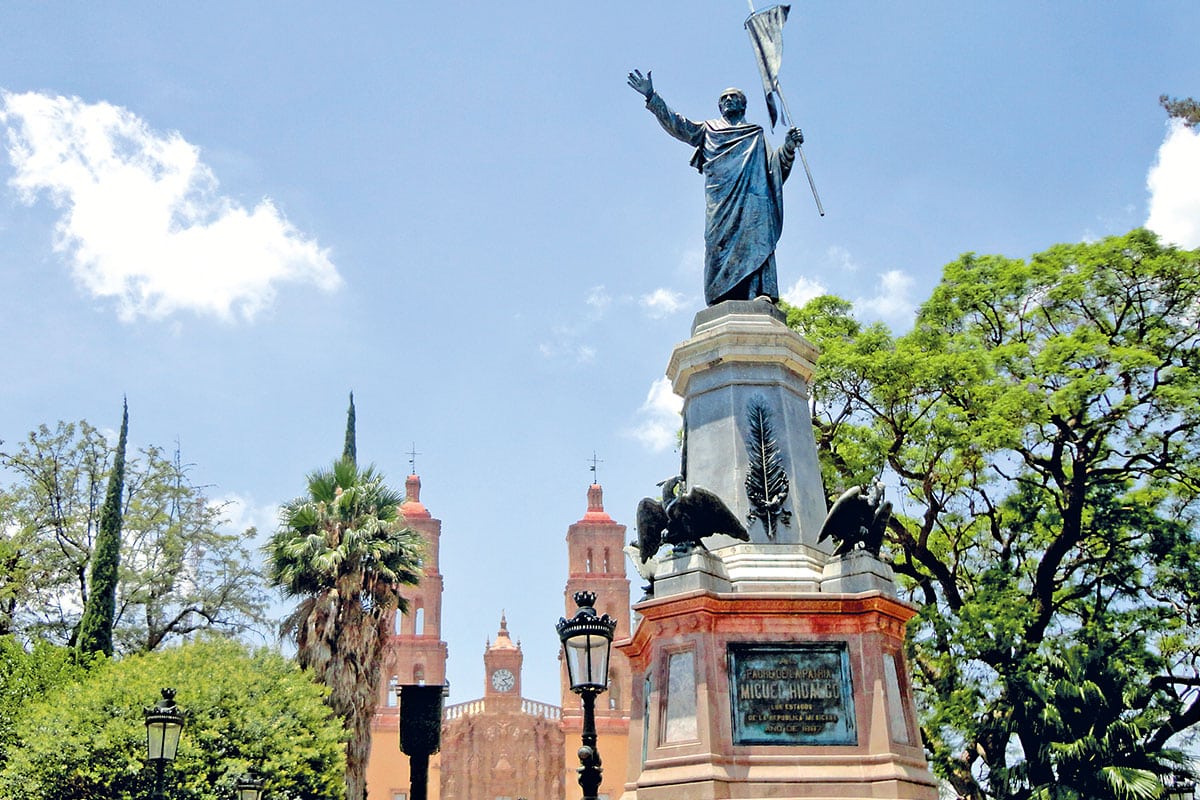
[1127, 783]
[766, 480]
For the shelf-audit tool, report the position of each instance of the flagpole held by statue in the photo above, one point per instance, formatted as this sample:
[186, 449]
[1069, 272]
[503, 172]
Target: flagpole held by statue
[766, 37]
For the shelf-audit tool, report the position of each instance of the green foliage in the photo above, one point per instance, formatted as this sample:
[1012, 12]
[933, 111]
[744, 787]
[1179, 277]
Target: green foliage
[28, 675]
[1185, 109]
[1042, 425]
[344, 552]
[100, 609]
[87, 740]
[14, 570]
[50, 515]
[186, 572]
[350, 448]
[179, 570]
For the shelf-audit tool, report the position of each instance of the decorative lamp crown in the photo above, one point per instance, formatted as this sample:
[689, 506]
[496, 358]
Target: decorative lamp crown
[164, 723]
[249, 786]
[586, 639]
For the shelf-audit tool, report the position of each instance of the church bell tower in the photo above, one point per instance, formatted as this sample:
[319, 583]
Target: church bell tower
[596, 563]
[414, 654]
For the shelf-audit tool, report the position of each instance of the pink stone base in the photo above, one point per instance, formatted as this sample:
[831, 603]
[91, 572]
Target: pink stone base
[704, 764]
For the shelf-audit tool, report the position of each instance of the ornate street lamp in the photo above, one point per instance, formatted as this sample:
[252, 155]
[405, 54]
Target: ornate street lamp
[249, 786]
[586, 639]
[164, 723]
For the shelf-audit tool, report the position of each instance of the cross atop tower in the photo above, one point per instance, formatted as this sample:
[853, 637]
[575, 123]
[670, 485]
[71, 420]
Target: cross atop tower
[412, 459]
[595, 462]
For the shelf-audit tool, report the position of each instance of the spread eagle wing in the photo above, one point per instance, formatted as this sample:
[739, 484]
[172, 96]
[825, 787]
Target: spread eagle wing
[702, 513]
[651, 521]
[843, 516]
[874, 538]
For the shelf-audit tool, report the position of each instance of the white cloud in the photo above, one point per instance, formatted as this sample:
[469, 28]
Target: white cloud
[840, 260]
[240, 512]
[662, 302]
[598, 299]
[893, 301]
[1174, 184]
[660, 417]
[142, 221]
[565, 345]
[802, 291]
[565, 341]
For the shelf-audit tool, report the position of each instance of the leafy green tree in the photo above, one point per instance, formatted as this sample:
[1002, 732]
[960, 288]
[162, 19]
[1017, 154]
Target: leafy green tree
[245, 709]
[180, 570]
[51, 513]
[28, 675]
[1040, 426]
[100, 608]
[344, 552]
[186, 572]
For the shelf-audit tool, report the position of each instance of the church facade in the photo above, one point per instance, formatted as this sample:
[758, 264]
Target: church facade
[503, 746]
[500, 746]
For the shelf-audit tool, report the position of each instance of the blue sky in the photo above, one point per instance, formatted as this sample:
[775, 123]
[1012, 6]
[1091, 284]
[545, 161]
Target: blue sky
[236, 213]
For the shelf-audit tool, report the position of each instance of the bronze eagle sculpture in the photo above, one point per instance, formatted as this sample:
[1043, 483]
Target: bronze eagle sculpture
[683, 518]
[857, 518]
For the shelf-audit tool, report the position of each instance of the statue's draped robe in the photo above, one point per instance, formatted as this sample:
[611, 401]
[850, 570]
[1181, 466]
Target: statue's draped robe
[743, 189]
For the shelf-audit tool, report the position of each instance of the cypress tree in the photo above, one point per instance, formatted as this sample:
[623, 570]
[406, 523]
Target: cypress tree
[350, 449]
[96, 626]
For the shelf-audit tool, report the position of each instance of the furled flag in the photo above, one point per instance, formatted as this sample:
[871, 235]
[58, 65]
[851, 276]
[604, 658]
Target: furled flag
[766, 37]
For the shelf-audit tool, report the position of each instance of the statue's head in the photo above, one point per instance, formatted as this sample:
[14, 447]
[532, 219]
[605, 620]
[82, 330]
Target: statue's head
[732, 103]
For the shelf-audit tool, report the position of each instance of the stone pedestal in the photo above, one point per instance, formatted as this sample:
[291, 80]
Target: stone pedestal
[710, 729]
[857, 571]
[743, 356]
[768, 668]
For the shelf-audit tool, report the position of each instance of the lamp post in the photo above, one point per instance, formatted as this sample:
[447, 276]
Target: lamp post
[586, 639]
[420, 731]
[164, 723]
[249, 786]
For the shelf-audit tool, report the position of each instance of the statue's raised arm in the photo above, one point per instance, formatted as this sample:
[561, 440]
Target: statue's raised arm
[682, 128]
[642, 85]
[743, 191]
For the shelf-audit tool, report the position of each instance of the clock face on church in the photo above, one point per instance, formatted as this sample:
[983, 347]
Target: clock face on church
[503, 680]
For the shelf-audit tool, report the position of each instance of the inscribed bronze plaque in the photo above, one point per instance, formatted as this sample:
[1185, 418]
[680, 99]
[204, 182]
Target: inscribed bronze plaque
[791, 694]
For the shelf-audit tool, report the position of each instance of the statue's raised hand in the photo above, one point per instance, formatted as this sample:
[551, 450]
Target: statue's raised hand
[794, 137]
[642, 85]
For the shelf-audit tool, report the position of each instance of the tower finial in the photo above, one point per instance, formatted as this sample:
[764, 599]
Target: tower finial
[412, 459]
[595, 462]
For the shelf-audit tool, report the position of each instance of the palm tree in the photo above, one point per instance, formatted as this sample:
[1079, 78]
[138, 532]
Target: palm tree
[343, 549]
[1097, 747]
